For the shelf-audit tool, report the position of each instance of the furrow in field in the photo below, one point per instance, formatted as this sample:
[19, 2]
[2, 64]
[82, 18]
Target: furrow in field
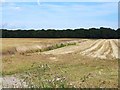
[93, 48]
[70, 49]
[108, 52]
[103, 49]
[101, 52]
[114, 49]
[116, 42]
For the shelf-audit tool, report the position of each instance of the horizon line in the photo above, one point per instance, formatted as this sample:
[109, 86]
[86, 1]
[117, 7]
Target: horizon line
[59, 28]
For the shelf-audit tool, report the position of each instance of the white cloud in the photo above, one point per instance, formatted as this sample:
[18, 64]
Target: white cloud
[38, 1]
[16, 8]
[50, 15]
[11, 6]
[1, 1]
[91, 10]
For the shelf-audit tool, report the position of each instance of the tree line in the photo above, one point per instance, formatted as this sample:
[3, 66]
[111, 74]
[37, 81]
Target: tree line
[95, 33]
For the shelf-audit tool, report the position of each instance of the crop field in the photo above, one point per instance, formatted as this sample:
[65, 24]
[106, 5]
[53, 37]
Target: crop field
[60, 63]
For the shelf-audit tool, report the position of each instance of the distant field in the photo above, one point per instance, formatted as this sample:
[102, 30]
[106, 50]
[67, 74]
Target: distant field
[11, 43]
[61, 62]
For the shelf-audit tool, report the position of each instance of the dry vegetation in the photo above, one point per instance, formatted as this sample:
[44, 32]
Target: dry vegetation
[20, 45]
[84, 63]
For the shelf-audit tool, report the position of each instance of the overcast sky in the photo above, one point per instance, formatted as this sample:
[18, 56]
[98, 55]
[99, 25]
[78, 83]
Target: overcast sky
[59, 15]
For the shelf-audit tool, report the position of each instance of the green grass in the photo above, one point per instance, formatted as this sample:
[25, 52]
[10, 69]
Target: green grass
[69, 75]
[74, 72]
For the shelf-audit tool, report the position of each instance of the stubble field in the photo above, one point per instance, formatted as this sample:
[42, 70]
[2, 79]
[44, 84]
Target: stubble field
[84, 63]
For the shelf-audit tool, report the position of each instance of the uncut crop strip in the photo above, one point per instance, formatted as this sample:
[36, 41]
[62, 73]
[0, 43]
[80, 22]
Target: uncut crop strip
[38, 48]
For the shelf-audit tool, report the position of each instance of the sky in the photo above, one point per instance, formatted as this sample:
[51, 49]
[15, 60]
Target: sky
[59, 15]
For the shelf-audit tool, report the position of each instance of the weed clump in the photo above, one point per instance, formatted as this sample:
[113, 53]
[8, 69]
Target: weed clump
[41, 77]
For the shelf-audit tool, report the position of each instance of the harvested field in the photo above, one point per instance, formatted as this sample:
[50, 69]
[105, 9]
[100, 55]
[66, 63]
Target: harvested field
[86, 63]
[103, 49]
